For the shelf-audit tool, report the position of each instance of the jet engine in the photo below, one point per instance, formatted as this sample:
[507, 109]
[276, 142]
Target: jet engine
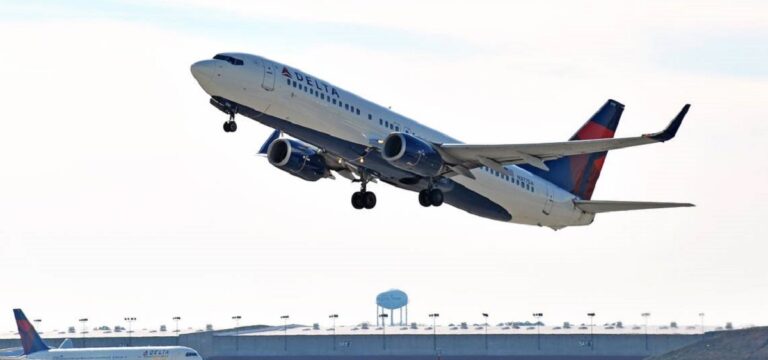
[297, 158]
[410, 153]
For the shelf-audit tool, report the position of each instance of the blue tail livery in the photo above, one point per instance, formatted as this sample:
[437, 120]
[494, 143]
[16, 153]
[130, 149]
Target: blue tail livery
[578, 174]
[30, 339]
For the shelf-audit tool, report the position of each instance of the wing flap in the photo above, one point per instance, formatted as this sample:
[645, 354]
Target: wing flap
[602, 206]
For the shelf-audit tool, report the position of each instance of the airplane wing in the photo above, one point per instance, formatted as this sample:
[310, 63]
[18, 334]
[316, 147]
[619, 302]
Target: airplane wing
[463, 156]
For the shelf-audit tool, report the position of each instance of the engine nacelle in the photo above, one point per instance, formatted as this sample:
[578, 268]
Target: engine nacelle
[412, 154]
[296, 158]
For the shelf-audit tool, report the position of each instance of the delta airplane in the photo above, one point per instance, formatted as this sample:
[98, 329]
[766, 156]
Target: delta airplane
[335, 131]
[35, 349]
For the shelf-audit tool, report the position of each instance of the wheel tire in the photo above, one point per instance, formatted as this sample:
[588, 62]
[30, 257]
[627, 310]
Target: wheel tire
[226, 127]
[357, 200]
[436, 197]
[232, 126]
[369, 200]
[424, 198]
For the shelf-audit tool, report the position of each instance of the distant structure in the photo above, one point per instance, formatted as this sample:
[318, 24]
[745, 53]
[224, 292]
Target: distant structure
[392, 300]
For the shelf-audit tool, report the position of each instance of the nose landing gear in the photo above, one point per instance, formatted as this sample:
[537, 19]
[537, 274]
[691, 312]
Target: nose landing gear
[230, 125]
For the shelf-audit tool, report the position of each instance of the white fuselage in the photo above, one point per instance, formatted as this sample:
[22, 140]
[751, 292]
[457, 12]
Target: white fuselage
[117, 353]
[310, 102]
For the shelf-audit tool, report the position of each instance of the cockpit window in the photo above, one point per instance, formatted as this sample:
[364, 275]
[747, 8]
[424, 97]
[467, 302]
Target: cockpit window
[191, 354]
[229, 59]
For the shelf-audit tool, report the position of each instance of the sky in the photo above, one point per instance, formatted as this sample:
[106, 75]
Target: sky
[120, 195]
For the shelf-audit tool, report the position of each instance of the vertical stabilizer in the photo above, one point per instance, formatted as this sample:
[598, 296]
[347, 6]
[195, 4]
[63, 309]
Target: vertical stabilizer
[578, 174]
[30, 339]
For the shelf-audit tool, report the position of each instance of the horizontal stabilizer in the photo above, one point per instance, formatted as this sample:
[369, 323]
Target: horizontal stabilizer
[601, 206]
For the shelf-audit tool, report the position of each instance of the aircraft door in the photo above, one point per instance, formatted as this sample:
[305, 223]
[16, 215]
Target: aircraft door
[550, 201]
[269, 76]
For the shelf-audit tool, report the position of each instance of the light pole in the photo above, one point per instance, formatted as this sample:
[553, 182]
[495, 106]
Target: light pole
[285, 331]
[237, 332]
[333, 318]
[176, 319]
[485, 315]
[701, 315]
[84, 321]
[434, 317]
[538, 329]
[130, 321]
[591, 331]
[383, 317]
[646, 315]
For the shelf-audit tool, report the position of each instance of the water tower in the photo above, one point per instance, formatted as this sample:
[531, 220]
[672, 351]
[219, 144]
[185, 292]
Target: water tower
[392, 300]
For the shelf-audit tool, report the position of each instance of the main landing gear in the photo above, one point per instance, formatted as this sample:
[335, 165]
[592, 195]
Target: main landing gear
[431, 197]
[230, 125]
[363, 199]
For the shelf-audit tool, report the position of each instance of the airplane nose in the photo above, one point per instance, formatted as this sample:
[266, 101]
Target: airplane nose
[203, 71]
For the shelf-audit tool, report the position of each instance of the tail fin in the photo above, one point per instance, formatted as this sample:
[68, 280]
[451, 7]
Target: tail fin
[579, 173]
[30, 339]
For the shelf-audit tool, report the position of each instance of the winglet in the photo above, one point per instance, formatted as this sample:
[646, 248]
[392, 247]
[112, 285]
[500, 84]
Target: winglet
[30, 339]
[671, 130]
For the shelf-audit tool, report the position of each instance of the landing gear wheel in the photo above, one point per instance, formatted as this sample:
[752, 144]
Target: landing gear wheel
[436, 197]
[357, 200]
[424, 198]
[369, 200]
[230, 126]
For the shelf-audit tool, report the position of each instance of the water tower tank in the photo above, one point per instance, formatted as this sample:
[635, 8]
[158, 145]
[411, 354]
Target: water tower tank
[392, 299]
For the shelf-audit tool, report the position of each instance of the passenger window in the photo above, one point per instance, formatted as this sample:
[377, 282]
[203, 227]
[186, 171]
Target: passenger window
[312, 91]
[294, 84]
[334, 101]
[381, 122]
[289, 81]
[370, 117]
[346, 106]
[322, 96]
[357, 111]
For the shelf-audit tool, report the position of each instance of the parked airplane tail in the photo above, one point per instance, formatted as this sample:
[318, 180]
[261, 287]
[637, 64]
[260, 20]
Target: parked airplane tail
[30, 339]
[578, 174]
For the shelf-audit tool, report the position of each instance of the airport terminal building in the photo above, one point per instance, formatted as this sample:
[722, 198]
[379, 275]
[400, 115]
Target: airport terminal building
[401, 342]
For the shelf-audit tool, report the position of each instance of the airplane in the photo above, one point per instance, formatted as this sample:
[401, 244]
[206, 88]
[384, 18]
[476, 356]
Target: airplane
[335, 131]
[33, 348]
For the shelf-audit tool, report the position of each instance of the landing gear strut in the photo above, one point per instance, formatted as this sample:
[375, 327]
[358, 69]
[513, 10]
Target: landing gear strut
[230, 125]
[431, 197]
[363, 199]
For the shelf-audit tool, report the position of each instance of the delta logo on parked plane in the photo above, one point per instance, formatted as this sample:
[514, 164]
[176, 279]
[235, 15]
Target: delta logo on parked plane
[310, 81]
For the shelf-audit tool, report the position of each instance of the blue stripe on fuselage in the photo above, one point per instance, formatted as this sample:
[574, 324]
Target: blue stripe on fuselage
[455, 194]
